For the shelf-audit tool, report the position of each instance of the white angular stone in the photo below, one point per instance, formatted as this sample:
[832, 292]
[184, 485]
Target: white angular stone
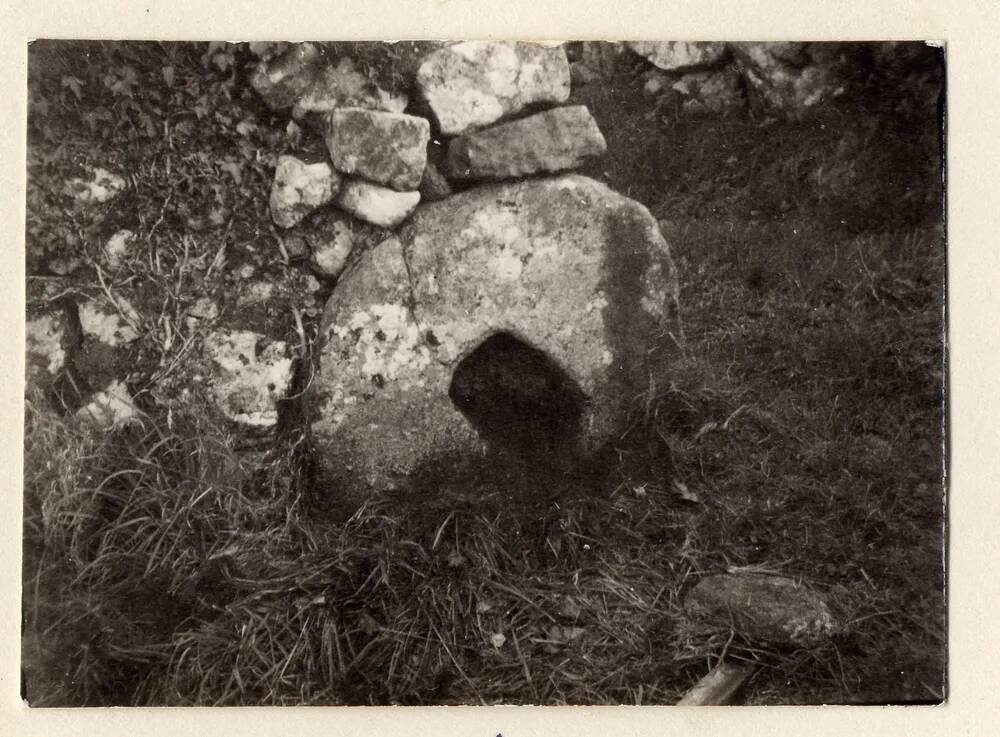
[252, 373]
[45, 352]
[299, 188]
[329, 256]
[378, 205]
[112, 407]
[204, 308]
[102, 186]
[117, 247]
[107, 324]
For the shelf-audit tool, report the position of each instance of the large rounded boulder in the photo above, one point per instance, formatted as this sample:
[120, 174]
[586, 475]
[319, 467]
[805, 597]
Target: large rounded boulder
[527, 315]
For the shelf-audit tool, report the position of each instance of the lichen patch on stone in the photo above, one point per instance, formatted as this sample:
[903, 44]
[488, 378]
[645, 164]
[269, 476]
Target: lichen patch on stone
[45, 344]
[251, 375]
[107, 325]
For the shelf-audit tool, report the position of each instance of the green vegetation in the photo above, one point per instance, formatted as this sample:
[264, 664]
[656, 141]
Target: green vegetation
[168, 563]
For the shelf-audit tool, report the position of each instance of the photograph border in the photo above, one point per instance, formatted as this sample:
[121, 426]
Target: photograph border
[967, 29]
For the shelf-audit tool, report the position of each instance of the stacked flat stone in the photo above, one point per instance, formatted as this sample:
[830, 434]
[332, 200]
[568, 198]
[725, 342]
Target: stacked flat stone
[474, 88]
[375, 154]
[376, 164]
[385, 155]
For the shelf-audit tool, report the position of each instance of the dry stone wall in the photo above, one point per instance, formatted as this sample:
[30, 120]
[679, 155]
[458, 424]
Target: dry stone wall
[480, 128]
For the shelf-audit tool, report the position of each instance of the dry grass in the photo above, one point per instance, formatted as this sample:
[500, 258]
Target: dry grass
[167, 564]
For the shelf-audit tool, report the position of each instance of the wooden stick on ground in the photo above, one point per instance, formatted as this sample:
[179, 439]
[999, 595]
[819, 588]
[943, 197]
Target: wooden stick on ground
[719, 686]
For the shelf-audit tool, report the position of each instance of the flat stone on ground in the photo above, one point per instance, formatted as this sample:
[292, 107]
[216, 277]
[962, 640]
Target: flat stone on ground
[551, 141]
[111, 407]
[387, 148]
[375, 204]
[118, 246]
[251, 374]
[299, 188]
[102, 186]
[330, 254]
[763, 607]
[475, 83]
[46, 354]
[107, 323]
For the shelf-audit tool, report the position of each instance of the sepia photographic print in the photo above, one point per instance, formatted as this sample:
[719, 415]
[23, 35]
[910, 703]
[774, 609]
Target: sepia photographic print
[484, 372]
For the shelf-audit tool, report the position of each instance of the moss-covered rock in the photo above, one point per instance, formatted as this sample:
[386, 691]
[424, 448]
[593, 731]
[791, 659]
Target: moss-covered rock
[576, 275]
[475, 83]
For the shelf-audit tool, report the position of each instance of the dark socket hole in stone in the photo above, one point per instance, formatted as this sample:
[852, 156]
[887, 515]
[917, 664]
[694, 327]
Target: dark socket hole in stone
[519, 399]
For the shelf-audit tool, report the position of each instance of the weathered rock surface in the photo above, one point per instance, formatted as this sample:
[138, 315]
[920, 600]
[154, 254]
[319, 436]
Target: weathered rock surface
[475, 83]
[342, 85]
[562, 277]
[110, 407]
[679, 55]
[764, 607]
[783, 76]
[282, 80]
[46, 350]
[251, 374]
[375, 204]
[329, 254]
[387, 148]
[433, 186]
[108, 331]
[102, 186]
[113, 325]
[204, 311]
[552, 141]
[299, 188]
[118, 246]
[255, 293]
[329, 237]
[329, 260]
